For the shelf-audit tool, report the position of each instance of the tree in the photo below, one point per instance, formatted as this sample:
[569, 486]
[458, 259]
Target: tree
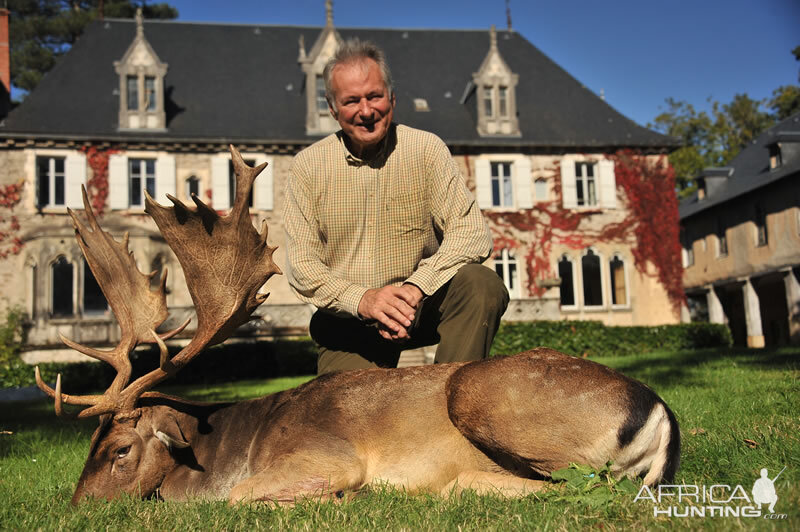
[715, 139]
[40, 31]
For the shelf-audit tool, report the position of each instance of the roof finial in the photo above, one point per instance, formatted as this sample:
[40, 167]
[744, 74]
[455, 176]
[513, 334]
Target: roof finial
[508, 14]
[493, 38]
[139, 22]
[329, 13]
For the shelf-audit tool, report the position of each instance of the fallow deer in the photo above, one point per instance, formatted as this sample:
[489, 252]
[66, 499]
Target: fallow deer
[500, 425]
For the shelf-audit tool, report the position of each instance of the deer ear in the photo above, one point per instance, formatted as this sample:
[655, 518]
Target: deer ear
[169, 433]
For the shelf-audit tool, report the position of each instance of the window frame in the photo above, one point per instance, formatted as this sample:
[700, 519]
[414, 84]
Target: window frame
[144, 179]
[582, 192]
[611, 283]
[511, 279]
[505, 184]
[52, 179]
[571, 261]
[601, 274]
[762, 231]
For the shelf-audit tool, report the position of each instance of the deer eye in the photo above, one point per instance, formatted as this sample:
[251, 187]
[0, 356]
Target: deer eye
[122, 452]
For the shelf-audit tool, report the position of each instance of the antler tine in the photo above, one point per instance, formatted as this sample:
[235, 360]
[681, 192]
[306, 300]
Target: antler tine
[225, 262]
[138, 309]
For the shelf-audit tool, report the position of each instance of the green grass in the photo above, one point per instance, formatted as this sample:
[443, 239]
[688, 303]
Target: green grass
[737, 410]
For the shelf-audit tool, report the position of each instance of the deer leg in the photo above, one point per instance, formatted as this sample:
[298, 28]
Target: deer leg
[489, 483]
[308, 472]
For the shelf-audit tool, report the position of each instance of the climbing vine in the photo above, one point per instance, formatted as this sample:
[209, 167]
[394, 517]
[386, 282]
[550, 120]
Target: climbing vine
[97, 185]
[10, 196]
[650, 226]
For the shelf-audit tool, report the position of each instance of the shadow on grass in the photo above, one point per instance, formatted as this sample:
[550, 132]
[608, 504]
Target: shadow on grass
[679, 367]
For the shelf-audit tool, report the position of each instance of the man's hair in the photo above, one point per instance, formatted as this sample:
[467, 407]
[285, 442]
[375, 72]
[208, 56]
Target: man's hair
[351, 51]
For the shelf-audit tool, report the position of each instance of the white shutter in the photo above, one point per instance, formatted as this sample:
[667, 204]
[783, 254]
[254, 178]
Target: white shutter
[220, 195]
[608, 184]
[75, 176]
[262, 195]
[522, 181]
[483, 183]
[118, 181]
[165, 178]
[568, 188]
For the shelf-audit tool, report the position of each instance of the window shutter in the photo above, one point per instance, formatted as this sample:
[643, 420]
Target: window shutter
[522, 182]
[568, 189]
[75, 176]
[483, 183]
[118, 181]
[220, 196]
[608, 184]
[165, 178]
[262, 196]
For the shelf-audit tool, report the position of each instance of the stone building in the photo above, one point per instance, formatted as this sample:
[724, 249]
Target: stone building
[741, 240]
[152, 105]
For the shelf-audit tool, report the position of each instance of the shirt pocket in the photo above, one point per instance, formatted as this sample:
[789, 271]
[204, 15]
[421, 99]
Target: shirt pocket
[407, 215]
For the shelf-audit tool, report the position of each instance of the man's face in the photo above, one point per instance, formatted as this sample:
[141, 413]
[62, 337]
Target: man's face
[364, 108]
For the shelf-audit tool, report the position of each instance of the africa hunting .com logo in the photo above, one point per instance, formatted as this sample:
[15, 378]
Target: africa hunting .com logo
[719, 500]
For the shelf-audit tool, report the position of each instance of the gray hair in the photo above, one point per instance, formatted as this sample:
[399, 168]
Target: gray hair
[354, 50]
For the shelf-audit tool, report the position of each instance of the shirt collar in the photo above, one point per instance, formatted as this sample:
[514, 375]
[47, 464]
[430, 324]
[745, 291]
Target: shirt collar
[377, 159]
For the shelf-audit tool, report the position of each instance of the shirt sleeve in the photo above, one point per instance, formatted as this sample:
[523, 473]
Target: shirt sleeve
[310, 278]
[466, 238]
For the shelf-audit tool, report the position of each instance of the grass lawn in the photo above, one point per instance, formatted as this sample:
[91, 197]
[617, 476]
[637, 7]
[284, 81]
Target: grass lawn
[738, 411]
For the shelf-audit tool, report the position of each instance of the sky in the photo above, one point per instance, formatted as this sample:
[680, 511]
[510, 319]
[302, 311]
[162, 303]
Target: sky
[637, 52]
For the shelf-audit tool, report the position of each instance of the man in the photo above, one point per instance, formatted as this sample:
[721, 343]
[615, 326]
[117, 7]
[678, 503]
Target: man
[383, 235]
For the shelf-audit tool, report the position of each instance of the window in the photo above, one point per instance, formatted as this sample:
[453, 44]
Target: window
[775, 159]
[192, 187]
[488, 101]
[50, 181]
[592, 280]
[142, 176]
[232, 183]
[61, 287]
[502, 189]
[502, 97]
[565, 273]
[322, 103]
[619, 292]
[150, 93]
[761, 227]
[585, 184]
[722, 239]
[133, 93]
[94, 302]
[688, 249]
[505, 264]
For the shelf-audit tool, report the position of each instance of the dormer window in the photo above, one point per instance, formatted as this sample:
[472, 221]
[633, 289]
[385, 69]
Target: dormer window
[318, 118]
[775, 160]
[141, 85]
[495, 94]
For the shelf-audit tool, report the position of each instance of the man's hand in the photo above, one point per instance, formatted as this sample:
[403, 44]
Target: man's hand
[393, 307]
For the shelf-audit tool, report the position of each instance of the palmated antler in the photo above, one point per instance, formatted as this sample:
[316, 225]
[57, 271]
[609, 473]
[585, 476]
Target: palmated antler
[225, 262]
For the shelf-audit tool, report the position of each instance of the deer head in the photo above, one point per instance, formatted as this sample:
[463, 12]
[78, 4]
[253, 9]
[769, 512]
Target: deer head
[225, 262]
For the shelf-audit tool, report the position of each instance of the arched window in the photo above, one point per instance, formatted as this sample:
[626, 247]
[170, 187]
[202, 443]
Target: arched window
[619, 289]
[592, 280]
[505, 264]
[62, 282]
[192, 187]
[94, 302]
[567, 276]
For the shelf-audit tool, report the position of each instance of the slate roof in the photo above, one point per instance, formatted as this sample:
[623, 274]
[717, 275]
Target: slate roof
[750, 169]
[243, 83]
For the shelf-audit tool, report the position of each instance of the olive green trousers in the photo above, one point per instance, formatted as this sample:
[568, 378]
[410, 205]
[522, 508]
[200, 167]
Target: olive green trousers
[462, 317]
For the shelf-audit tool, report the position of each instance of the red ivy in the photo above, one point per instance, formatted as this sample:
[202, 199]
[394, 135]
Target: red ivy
[10, 196]
[97, 185]
[651, 227]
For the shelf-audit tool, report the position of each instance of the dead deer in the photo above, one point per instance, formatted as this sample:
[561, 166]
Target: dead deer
[500, 425]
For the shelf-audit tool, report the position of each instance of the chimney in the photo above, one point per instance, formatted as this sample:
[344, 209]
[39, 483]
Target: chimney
[5, 64]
